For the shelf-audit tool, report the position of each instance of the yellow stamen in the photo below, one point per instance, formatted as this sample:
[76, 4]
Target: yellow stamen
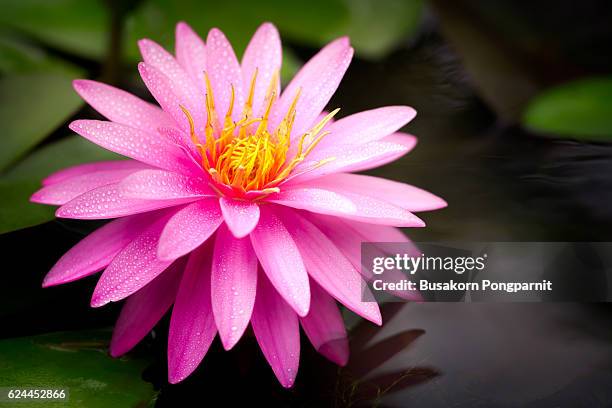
[243, 158]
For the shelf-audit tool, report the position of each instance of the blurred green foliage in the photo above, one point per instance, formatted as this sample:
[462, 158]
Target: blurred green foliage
[75, 26]
[580, 109]
[32, 106]
[23, 179]
[78, 363]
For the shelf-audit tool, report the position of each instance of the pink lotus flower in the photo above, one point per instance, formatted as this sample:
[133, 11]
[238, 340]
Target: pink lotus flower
[238, 205]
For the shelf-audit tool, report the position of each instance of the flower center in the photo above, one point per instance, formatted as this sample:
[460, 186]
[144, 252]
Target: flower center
[246, 155]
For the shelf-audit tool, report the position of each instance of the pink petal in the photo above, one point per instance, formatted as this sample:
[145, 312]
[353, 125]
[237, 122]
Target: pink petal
[264, 55]
[378, 233]
[345, 204]
[404, 139]
[97, 250]
[375, 211]
[343, 237]
[144, 309]
[348, 158]
[62, 192]
[325, 328]
[192, 327]
[135, 266]
[277, 331]
[314, 199]
[82, 169]
[399, 194]
[281, 261]
[189, 228]
[139, 145]
[191, 54]
[164, 185]
[367, 126]
[330, 268]
[122, 107]
[156, 56]
[234, 282]
[110, 202]
[182, 139]
[224, 72]
[171, 96]
[318, 80]
[240, 216]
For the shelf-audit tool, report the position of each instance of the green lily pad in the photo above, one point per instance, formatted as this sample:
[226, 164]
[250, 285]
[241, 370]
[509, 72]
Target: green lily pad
[19, 56]
[23, 179]
[77, 362]
[31, 107]
[376, 27]
[579, 110]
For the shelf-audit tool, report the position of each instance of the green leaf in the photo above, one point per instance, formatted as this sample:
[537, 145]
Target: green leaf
[18, 56]
[77, 362]
[31, 107]
[580, 110]
[76, 26]
[376, 27]
[18, 184]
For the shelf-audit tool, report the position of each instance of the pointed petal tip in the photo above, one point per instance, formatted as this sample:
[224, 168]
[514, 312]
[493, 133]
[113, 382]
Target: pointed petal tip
[175, 376]
[75, 125]
[183, 26]
[185, 31]
[344, 40]
[412, 221]
[115, 349]
[79, 84]
[98, 301]
[287, 382]
[61, 213]
[302, 308]
[241, 219]
[143, 68]
[238, 233]
[50, 281]
[229, 343]
[144, 42]
[215, 33]
[268, 26]
[336, 351]
[408, 111]
[36, 198]
[47, 283]
[441, 202]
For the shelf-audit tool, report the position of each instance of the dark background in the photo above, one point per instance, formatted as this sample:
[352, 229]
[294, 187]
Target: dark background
[472, 69]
